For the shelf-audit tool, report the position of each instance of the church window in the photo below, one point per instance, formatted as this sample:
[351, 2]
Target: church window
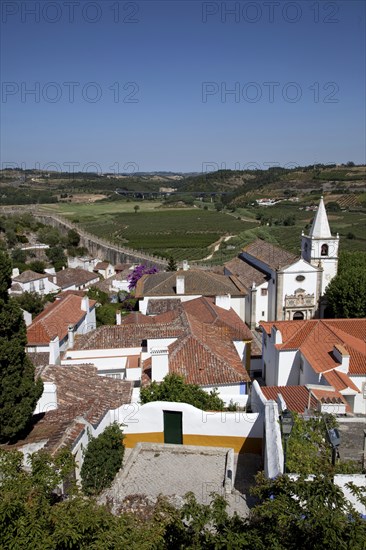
[324, 250]
[300, 278]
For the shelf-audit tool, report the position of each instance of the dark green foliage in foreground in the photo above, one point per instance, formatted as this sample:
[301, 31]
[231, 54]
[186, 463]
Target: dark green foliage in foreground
[174, 388]
[103, 458]
[346, 293]
[290, 515]
[309, 450]
[19, 392]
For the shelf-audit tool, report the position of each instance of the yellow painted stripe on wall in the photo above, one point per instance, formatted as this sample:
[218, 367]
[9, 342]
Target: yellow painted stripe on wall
[239, 444]
[130, 440]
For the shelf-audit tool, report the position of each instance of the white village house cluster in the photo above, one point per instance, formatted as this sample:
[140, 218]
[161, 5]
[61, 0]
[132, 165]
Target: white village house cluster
[258, 317]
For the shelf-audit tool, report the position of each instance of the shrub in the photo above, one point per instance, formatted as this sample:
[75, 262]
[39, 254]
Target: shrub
[102, 460]
[174, 388]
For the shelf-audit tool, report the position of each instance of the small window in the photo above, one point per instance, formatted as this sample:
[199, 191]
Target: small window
[264, 292]
[300, 278]
[324, 250]
[263, 314]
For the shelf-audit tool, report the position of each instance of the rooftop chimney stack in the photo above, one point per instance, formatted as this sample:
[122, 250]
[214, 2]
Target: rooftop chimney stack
[180, 284]
[70, 336]
[159, 363]
[54, 347]
[185, 265]
[85, 303]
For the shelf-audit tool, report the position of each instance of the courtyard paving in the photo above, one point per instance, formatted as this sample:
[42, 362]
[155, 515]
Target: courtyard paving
[174, 470]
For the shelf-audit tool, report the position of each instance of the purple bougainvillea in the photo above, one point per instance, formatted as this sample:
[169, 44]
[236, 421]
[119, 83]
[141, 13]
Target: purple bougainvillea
[137, 273]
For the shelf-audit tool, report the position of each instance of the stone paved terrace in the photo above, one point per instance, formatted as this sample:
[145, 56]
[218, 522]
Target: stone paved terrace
[352, 437]
[174, 470]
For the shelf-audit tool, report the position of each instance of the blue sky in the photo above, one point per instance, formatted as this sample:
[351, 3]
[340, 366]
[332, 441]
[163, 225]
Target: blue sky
[146, 85]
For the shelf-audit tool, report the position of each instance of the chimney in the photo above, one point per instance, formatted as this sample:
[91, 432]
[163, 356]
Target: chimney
[159, 363]
[48, 400]
[223, 301]
[54, 280]
[54, 347]
[185, 265]
[15, 272]
[341, 356]
[118, 317]
[180, 284]
[84, 303]
[70, 336]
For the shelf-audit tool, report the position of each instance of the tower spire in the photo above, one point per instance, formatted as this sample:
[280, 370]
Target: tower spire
[320, 228]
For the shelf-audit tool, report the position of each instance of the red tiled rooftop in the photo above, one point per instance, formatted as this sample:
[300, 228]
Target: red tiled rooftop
[55, 319]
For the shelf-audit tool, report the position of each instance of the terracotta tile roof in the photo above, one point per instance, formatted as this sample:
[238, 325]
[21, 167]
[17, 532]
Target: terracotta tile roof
[210, 314]
[69, 276]
[81, 395]
[197, 282]
[101, 265]
[246, 273]
[296, 397]
[39, 359]
[133, 362]
[55, 319]
[122, 267]
[339, 380]
[316, 340]
[269, 254]
[28, 276]
[157, 306]
[135, 328]
[16, 287]
[82, 391]
[332, 397]
[203, 351]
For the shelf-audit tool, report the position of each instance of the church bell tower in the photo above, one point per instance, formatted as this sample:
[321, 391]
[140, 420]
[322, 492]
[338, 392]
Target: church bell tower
[320, 248]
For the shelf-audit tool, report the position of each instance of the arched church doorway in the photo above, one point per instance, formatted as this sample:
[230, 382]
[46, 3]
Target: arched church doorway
[298, 316]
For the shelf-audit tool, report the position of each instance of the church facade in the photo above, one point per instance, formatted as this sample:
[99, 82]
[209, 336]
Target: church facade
[284, 286]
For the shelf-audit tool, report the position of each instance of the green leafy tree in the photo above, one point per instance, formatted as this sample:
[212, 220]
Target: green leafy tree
[309, 450]
[136, 208]
[49, 235]
[346, 293]
[73, 238]
[98, 295]
[172, 264]
[37, 265]
[103, 458]
[19, 256]
[19, 392]
[57, 257]
[174, 388]
[304, 514]
[31, 302]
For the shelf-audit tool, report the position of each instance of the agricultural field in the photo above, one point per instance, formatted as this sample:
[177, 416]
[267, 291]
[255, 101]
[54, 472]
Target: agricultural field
[186, 233]
[196, 234]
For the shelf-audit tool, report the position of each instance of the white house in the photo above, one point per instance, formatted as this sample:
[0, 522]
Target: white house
[188, 284]
[105, 269]
[330, 352]
[74, 279]
[30, 281]
[54, 330]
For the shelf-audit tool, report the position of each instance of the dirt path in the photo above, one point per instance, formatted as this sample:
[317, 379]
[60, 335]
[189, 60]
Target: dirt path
[216, 245]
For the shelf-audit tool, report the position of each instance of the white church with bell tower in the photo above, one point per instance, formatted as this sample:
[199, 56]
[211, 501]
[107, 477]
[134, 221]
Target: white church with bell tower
[320, 248]
[282, 286]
